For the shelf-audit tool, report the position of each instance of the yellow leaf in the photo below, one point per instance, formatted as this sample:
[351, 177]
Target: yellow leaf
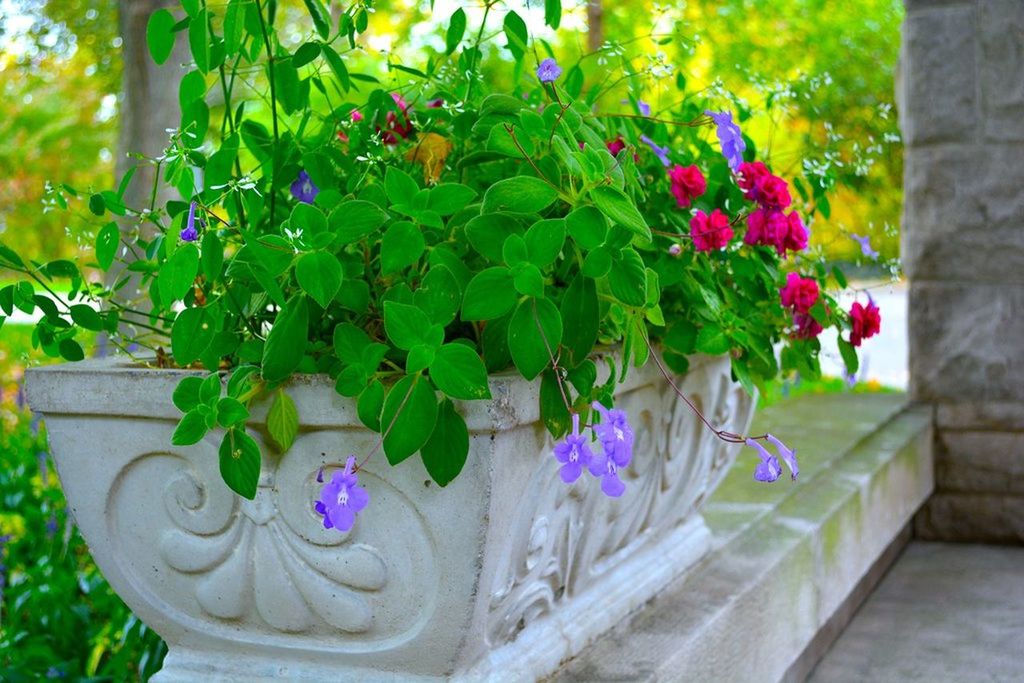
[431, 150]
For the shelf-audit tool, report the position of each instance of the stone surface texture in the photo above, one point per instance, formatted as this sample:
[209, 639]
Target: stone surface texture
[787, 557]
[962, 114]
[500, 576]
[945, 613]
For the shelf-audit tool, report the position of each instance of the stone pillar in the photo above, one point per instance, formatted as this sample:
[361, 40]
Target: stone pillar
[962, 113]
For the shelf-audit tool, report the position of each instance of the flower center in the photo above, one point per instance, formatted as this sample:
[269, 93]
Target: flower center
[574, 454]
[307, 187]
[619, 434]
[343, 497]
[610, 466]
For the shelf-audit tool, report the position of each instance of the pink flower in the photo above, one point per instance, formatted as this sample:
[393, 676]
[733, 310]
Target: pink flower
[772, 192]
[806, 326]
[356, 116]
[687, 184]
[800, 293]
[710, 232]
[865, 321]
[435, 103]
[615, 146]
[796, 235]
[397, 125]
[749, 173]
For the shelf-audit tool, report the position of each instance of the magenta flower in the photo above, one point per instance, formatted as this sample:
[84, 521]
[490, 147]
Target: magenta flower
[730, 137]
[548, 71]
[303, 188]
[768, 469]
[341, 498]
[574, 453]
[615, 435]
[190, 234]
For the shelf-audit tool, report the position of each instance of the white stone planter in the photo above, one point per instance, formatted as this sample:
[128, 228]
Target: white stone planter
[501, 576]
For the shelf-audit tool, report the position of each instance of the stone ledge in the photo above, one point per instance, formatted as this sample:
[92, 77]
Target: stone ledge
[786, 559]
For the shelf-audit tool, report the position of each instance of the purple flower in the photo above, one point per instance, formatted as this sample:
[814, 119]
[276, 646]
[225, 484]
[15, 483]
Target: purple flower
[768, 469]
[642, 107]
[190, 234]
[615, 435]
[574, 453]
[303, 188]
[341, 498]
[660, 152]
[788, 456]
[548, 71]
[865, 245]
[604, 466]
[51, 525]
[730, 138]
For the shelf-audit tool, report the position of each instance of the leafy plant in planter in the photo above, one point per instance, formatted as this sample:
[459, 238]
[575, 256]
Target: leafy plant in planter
[409, 242]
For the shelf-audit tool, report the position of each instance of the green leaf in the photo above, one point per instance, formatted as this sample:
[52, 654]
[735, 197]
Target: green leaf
[534, 334]
[456, 29]
[234, 27]
[191, 334]
[231, 411]
[490, 294]
[517, 35]
[587, 226]
[620, 209]
[408, 417]
[241, 380]
[199, 40]
[439, 295]
[712, 340]
[321, 19]
[86, 317]
[487, 233]
[209, 390]
[401, 246]
[553, 13]
[521, 194]
[70, 350]
[97, 205]
[240, 463]
[370, 404]
[212, 258]
[458, 371]
[444, 454]
[319, 274]
[448, 198]
[186, 394]
[337, 66]
[849, 354]
[178, 274]
[528, 280]
[399, 185]
[283, 420]
[190, 430]
[597, 263]
[349, 342]
[840, 277]
[581, 317]
[553, 411]
[286, 343]
[420, 357]
[407, 326]
[544, 241]
[353, 220]
[307, 218]
[628, 279]
[160, 35]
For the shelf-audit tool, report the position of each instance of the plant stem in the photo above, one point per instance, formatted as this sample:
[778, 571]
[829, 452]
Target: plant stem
[273, 103]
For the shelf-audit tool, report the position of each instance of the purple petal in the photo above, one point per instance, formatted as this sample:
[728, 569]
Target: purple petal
[327, 522]
[767, 470]
[343, 518]
[358, 498]
[612, 486]
[570, 472]
[562, 450]
[788, 456]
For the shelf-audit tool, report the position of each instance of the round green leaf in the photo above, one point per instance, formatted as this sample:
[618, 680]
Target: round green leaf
[401, 246]
[521, 194]
[458, 371]
[534, 334]
[160, 35]
[620, 209]
[319, 274]
[490, 294]
[444, 454]
[190, 430]
[191, 334]
[410, 411]
[240, 463]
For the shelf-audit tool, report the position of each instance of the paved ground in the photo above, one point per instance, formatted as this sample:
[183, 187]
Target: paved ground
[945, 613]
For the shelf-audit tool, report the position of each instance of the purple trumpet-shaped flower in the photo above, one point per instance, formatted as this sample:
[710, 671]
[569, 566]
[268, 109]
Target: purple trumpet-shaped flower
[660, 152]
[303, 188]
[342, 498]
[615, 434]
[730, 137]
[768, 469]
[190, 234]
[548, 71]
[604, 467]
[788, 456]
[865, 245]
[574, 453]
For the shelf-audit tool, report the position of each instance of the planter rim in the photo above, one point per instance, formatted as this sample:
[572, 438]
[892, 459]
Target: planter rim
[145, 392]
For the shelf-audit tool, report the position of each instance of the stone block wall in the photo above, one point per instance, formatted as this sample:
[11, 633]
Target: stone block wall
[961, 92]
